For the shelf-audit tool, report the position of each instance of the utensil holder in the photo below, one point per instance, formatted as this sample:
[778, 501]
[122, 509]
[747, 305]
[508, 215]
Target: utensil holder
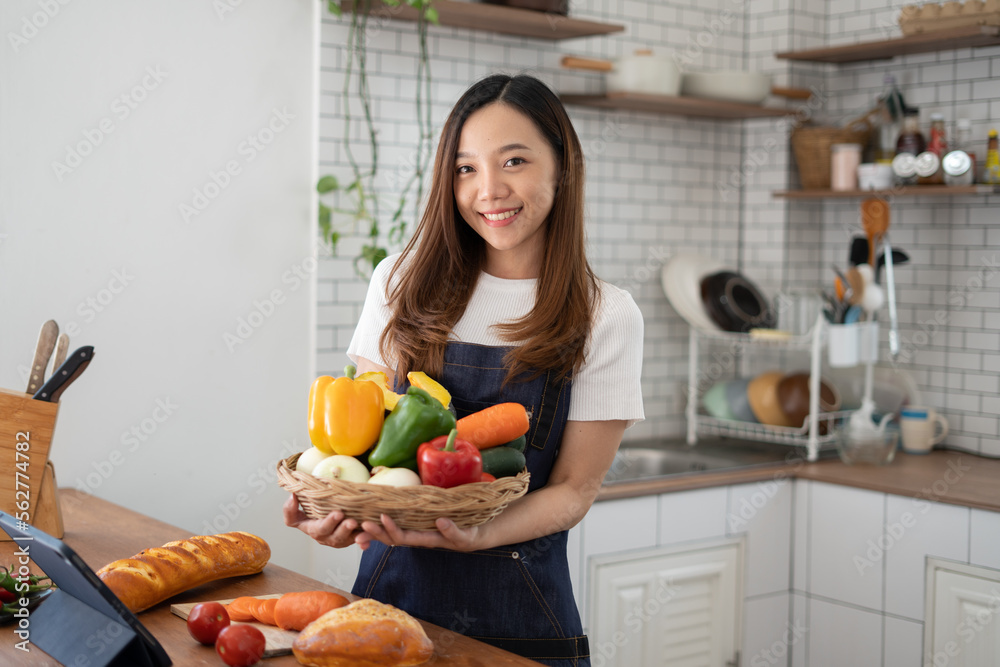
[27, 486]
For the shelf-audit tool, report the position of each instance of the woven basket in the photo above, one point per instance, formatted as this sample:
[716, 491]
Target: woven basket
[811, 146]
[411, 507]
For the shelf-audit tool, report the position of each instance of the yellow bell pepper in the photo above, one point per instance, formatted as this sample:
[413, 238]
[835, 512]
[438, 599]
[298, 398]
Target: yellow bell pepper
[423, 381]
[345, 415]
[382, 380]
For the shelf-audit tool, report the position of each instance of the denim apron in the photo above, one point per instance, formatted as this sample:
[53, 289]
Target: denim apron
[516, 597]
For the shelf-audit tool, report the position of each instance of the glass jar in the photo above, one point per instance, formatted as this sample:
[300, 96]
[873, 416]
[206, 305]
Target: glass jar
[937, 146]
[844, 161]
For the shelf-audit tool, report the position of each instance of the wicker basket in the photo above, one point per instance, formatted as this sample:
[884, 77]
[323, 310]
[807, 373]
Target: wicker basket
[411, 507]
[811, 146]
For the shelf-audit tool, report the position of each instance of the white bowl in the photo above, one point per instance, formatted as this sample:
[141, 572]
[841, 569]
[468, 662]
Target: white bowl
[727, 85]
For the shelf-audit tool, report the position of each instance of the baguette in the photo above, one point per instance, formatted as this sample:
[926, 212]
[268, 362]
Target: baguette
[153, 575]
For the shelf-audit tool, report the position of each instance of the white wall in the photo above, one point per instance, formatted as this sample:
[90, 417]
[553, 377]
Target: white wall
[156, 103]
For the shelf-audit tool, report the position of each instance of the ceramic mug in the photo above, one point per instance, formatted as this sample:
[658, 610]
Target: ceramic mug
[918, 425]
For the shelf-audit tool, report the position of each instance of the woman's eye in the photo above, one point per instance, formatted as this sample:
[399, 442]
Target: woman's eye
[464, 169]
[514, 161]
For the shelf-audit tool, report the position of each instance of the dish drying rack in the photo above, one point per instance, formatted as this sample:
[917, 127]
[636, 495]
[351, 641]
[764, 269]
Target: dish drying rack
[808, 435]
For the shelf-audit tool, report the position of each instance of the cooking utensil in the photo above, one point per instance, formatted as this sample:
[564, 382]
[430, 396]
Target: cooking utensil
[43, 350]
[890, 289]
[66, 374]
[728, 85]
[641, 72]
[875, 221]
[734, 303]
[857, 285]
[898, 257]
[859, 250]
[59, 355]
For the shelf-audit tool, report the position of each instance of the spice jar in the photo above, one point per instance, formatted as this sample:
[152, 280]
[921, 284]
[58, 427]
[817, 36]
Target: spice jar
[844, 161]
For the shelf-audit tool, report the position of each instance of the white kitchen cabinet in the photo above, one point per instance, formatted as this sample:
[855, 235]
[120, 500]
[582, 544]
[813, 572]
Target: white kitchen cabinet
[668, 606]
[962, 606]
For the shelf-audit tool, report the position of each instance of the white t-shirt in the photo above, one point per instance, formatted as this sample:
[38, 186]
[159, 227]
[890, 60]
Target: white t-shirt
[605, 387]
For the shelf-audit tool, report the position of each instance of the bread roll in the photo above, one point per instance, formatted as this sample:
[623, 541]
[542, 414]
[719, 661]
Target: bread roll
[365, 633]
[153, 575]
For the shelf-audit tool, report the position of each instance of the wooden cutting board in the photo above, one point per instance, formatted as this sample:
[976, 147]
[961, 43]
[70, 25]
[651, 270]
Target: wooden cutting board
[278, 641]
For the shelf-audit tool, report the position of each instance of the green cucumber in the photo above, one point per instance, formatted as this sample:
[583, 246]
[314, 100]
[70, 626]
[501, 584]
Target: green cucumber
[502, 461]
[518, 443]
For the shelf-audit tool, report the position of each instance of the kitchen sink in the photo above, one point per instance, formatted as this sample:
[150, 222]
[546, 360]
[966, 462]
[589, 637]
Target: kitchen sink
[647, 459]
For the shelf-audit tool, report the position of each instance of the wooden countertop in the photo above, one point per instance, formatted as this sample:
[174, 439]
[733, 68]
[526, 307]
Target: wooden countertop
[100, 532]
[953, 477]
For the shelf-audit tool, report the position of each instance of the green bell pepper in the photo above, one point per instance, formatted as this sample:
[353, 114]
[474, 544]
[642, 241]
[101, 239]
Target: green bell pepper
[418, 418]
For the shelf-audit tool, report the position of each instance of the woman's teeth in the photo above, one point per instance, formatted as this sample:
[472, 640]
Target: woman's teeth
[497, 217]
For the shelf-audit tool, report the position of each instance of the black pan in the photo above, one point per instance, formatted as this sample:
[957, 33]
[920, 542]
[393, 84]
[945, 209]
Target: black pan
[735, 303]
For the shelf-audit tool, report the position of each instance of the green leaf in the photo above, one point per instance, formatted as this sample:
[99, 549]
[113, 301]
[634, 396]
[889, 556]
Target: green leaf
[431, 15]
[333, 7]
[325, 219]
[327, 184]
[374, 254]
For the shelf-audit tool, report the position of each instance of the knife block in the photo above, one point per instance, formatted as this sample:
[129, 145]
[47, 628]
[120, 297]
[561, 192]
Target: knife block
[27, 478]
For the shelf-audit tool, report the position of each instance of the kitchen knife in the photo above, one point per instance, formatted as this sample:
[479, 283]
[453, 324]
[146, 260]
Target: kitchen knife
[43, 350]
[59, 356]
[64, 376]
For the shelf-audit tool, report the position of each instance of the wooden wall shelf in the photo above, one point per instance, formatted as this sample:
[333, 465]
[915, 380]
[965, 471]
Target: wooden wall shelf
[939, 40]
[496, 18]
[674, 106]
[910, 191]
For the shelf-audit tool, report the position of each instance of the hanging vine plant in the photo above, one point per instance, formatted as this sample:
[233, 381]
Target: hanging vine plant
[361, 212]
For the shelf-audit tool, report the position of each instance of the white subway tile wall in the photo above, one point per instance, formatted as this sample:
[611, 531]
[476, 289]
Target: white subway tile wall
[663, 185]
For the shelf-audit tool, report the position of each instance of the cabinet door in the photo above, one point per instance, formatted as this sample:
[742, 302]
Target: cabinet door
[965, 632]
[659, 607]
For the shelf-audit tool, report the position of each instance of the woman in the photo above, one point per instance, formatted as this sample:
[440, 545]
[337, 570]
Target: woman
[494, 298]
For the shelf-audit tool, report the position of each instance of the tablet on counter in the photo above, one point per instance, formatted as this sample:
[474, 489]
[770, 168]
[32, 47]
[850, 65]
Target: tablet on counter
[81, 622]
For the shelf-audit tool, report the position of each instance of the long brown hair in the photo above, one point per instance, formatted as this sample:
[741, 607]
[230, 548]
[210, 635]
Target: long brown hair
[445, 256]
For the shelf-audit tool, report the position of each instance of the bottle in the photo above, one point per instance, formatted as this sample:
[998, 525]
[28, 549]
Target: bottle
[938, 146]
[909, 145]
[991, 170]
[910, 138]
[959, 164]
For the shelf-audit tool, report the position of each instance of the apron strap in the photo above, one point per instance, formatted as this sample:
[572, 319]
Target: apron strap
[549, 408]
[568, 648]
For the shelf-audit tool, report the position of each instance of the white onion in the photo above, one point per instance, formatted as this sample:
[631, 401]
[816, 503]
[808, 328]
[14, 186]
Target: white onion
[308, 460]
[394, 477]
[340, 466]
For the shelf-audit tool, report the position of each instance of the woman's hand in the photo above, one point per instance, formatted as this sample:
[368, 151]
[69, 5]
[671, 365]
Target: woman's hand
[447, 535]
[333, 531]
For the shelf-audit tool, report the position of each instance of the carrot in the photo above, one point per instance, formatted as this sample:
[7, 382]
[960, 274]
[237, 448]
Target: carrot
[239, 609]
[294, 611]
[494, 426]
[263, 610]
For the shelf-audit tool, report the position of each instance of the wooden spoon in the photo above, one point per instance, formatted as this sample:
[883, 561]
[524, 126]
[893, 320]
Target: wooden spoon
[875, 221]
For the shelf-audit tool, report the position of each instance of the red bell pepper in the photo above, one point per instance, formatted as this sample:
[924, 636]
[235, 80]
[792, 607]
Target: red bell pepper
[447, 461]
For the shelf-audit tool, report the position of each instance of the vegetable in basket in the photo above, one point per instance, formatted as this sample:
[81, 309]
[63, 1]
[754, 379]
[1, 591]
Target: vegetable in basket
[417, 419]
[496, 425]
[447, 461]
[345, 415]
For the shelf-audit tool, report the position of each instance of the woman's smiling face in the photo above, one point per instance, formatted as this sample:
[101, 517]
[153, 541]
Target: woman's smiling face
[505, 183]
